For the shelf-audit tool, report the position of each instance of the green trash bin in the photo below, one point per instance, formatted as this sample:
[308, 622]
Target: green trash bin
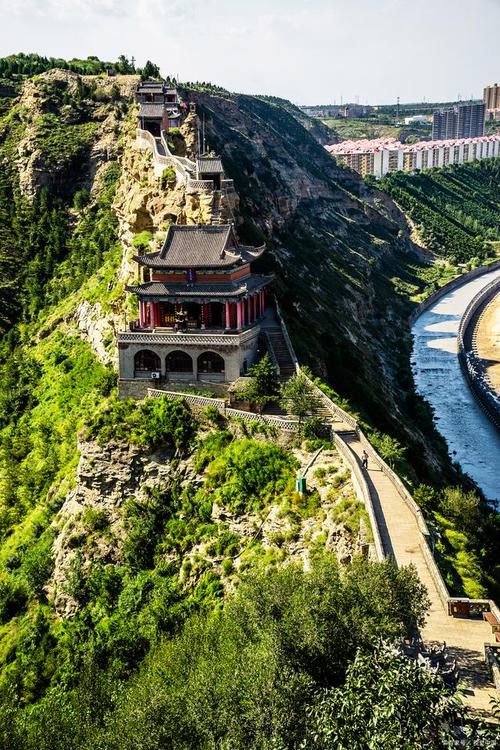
[300, 485]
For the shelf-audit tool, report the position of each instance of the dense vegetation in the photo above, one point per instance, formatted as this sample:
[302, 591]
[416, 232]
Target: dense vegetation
[154, 652]
[246, 676]
[456, 209]
[24, 65]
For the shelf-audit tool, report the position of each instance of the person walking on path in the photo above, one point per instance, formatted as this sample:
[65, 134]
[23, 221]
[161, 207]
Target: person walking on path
[364, 460]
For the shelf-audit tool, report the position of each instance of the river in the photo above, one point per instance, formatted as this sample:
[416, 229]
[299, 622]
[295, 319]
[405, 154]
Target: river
[472, 439]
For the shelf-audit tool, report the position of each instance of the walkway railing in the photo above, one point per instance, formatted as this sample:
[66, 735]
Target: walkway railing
[180, 164]
[201, 402]
[471, 365]
[362, 491]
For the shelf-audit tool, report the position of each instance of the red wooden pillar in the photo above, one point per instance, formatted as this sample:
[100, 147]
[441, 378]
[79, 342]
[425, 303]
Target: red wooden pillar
[227, 315]
[239, 315]
[141, 313]
[204, 314]
[254, 303]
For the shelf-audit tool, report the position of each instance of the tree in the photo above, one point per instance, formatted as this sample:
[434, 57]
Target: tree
[298, 397]
[463, 508]
[388, 702]
[264, 386]
[389, 448]
[150, 70]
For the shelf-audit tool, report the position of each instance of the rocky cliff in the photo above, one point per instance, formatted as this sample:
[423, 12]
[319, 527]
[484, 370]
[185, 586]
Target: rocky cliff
[342, 253]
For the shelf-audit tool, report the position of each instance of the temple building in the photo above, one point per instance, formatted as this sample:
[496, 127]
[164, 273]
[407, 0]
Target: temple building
[159, 107]
[210, 168]
[200, 307]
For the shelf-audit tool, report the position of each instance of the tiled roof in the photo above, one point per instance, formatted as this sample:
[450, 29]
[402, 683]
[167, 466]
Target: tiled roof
[151, 86]
[238, 288]
[149, 109]
[200, 246]
[209, 165]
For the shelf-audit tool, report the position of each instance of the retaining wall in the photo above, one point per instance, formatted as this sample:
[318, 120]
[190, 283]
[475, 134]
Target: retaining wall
[471, 367]
[449, 287]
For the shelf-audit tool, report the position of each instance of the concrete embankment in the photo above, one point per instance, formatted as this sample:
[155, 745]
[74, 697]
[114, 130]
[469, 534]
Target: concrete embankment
[472, 439]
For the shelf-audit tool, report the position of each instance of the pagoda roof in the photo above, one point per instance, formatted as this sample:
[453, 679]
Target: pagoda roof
[150, 109]
[200, 246]
[199, 292]
[209, 164]
[152, 85]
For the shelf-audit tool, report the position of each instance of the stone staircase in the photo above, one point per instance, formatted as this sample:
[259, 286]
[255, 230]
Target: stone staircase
[277, 343]
[217, 218]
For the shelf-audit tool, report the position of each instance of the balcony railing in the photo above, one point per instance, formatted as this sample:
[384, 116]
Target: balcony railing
[205, 337]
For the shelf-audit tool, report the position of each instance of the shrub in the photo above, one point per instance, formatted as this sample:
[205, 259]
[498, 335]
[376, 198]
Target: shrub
[38, 563]
[249, 473]
[167, 423]
[81, 199]
[463, 508]
[141, 241]
[167, 176]
[13, 598]
[210, 447]
[95, 519]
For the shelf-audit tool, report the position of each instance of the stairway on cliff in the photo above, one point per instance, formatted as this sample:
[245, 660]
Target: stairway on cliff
[276, 342]
[216, 209]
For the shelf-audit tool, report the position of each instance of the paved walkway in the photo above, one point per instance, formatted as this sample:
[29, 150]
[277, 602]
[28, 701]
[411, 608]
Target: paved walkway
[487, 341]
[401, 537]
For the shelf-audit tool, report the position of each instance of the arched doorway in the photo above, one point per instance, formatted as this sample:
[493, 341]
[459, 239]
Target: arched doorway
[210, 362]
[146, 362]
[178, 361]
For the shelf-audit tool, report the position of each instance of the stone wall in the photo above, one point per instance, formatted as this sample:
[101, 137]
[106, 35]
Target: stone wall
[236, 359]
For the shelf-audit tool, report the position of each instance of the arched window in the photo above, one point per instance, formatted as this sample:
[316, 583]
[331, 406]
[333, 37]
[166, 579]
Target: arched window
[210, 362]
[179, 362]
[146, 361]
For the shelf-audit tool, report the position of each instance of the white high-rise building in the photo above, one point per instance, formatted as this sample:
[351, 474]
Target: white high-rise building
[383, 155]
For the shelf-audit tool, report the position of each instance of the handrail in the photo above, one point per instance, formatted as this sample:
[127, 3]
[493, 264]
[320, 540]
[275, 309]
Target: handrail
[487, 291]
[338, 412]
[449, 287]
[471, 365]
[363, 491]
[271, 352]
[288, 425]
[287, 338]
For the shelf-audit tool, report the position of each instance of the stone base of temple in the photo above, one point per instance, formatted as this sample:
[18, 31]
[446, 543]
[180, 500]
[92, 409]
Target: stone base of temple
[137, 389]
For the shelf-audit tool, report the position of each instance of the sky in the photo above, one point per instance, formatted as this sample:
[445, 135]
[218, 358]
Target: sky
[308, 51]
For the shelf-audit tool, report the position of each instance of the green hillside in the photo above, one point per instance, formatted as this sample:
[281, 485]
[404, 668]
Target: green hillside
[162, 583]
[456, 209]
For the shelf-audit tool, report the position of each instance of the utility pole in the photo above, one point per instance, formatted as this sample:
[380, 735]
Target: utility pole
[397, 111]
[132, 62]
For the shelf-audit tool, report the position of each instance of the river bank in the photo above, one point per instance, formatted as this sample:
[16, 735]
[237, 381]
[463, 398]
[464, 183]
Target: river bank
[472, 440]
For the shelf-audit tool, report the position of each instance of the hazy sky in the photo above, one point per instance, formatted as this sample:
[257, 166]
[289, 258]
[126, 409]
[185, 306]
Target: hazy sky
[309, 51]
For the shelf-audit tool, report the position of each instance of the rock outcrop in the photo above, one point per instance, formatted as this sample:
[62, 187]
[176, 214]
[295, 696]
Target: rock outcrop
[107, 476]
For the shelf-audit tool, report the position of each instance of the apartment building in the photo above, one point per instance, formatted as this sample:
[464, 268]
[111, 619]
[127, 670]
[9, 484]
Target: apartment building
[460, 121]
[383, 155]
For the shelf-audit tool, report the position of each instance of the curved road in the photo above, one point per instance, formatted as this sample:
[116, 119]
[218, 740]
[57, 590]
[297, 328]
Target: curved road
[472, 439]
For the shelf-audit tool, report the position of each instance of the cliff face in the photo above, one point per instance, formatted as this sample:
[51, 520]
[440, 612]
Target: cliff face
[70, 123]
[341, 252]
[92, 526]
